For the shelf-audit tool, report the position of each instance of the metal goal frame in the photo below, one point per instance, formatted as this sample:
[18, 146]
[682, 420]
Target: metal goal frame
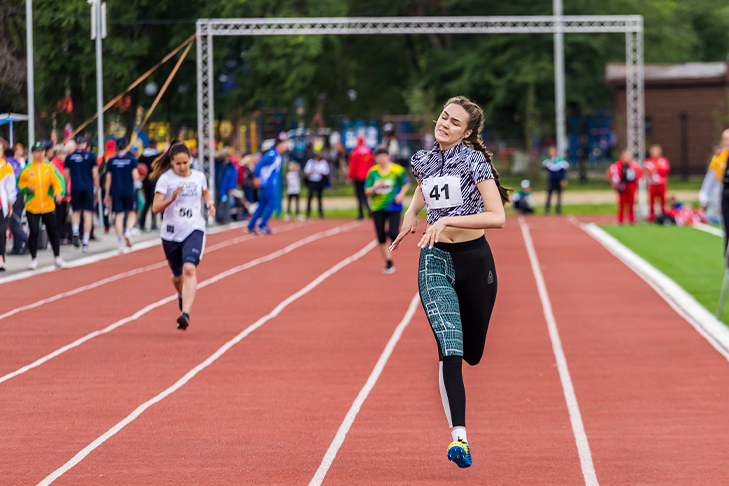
[630, 25]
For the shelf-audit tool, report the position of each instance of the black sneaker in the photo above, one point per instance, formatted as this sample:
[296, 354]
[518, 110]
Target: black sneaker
[76, 241]
[183, 321]
[179, 301]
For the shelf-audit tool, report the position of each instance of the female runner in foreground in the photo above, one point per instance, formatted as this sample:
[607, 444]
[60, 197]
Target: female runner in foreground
[459, 187]
[177, 193]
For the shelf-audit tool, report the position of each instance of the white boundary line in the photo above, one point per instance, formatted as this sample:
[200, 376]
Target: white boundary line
[210, 360]
[706, 228]
[705, 323]
[130, 273]
[364, 392]
[159, 303]
[578, 429]
[79, 262]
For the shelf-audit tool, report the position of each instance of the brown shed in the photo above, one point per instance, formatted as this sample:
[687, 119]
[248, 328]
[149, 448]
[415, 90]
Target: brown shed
[686, 108]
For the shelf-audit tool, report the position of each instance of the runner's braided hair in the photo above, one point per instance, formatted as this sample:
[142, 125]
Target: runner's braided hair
[162, 163]
[474, 140]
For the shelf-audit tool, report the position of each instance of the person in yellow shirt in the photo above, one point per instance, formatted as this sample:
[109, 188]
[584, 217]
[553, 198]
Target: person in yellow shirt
[710, 193]
[42, 187]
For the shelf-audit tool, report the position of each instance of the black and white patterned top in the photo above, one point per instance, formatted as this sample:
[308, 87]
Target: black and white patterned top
[461, 161]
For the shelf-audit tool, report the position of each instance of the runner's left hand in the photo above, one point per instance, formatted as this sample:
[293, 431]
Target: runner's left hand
[432, 234]
[211, 210]
[58, 198]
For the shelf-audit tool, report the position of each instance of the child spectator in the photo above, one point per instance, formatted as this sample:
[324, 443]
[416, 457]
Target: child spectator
[556, 178]
[657, 168]
[293, 189]
[624, 176]
[523, 198]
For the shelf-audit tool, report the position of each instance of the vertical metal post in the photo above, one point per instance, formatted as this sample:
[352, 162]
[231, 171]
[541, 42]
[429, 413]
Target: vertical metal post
[30, 79]
[635, 104]
[205, 101]
[559, 92]
[211, 114]
[99, 33]
[11, 135]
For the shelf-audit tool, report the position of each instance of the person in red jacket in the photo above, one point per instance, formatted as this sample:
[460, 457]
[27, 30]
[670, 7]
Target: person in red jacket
[360, 162]
[624, 176]
[656, 168]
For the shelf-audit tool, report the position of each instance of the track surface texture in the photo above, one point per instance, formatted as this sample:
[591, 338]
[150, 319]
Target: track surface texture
[652, 393]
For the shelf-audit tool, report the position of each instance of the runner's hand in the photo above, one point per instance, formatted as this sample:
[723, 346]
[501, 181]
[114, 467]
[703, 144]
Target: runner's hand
[58, 198]
[31, 188]
[176, 193]
[409, 225]
[107, 200]
[432, 234]
[398, 198]
[211, 210]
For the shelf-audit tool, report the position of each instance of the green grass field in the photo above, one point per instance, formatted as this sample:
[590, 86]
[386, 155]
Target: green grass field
[692, 258]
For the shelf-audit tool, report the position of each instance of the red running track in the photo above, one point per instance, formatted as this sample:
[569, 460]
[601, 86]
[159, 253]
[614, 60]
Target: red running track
[649, 388]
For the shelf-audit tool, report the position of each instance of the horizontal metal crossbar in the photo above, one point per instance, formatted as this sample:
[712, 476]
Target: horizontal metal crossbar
[423, 25]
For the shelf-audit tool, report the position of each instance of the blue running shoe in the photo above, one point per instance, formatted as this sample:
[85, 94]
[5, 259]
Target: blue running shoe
[460, 453]
[265, 230]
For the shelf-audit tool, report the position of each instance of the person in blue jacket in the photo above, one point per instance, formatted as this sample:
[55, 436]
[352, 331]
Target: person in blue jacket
[227, 186]
[556, 178]
[267, 173]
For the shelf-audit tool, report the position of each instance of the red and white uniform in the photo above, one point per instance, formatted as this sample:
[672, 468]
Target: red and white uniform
[657, 170]
[625, 190]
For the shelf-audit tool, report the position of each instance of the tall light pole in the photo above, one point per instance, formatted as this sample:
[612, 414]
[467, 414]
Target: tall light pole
[559, 97]
[98, 32]
[29, 63]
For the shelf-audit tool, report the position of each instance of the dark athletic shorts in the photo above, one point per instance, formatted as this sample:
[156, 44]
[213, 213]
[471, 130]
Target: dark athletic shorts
[189, 250]
[82, 200]
[123, 204]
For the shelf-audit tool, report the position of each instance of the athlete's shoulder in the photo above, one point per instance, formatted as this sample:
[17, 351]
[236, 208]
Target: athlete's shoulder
[397, 169]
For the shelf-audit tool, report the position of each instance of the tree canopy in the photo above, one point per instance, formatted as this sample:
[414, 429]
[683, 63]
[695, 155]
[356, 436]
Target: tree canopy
[511, 76]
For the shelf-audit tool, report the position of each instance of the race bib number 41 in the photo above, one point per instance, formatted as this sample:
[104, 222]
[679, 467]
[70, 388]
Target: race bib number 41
[442, 192]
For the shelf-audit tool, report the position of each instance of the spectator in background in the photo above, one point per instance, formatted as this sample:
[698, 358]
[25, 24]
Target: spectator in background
[523, 198]
[8, 195]
[19, 153]
[110, 151]
[710, 195]
[149, 155]
[228, 182]
[267, 173]
[42, 187]
[293, 189]
[82, 175]
[360, 162]
[121, 174]
[656, 168]
[556, 167]
[624, 176]
[316, 171]
[20, 238]
[57, 156]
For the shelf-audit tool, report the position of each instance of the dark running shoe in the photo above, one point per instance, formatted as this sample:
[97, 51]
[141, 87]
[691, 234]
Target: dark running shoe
[76, 241]
[183, 321]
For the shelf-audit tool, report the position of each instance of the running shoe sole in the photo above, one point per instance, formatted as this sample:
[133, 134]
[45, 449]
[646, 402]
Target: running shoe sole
[182, 322]
[128, 241]
[388, 271]
[76, 242]
[458, 455]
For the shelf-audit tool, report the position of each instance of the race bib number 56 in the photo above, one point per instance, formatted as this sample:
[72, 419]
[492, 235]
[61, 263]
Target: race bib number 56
[442, 192]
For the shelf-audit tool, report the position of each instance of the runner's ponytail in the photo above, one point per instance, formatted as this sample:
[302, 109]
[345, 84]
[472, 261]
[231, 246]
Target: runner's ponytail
[474, 140]
[163, 163]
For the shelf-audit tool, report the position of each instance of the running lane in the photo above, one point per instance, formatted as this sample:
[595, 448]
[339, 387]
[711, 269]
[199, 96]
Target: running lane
[41, 286]
[52, 412]
[652, 391]
[517, 419]
[31, 334]
[266, 411]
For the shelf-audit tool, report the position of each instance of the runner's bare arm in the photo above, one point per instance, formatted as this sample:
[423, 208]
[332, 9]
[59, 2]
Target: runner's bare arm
[208, 199]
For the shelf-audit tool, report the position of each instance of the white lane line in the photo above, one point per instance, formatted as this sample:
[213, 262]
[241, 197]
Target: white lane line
[159, 303]
[210, 360]
[712, 230]
[130, 273]
[79, 262]
[578, 429]
[366, 389]
[685, 305]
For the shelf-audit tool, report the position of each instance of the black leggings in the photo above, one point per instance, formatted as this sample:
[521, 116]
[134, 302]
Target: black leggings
[315, 187]
[50, 220]
[393, 225]
[457, 283]
[362, 203]
[148, 187]
[295, 197]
